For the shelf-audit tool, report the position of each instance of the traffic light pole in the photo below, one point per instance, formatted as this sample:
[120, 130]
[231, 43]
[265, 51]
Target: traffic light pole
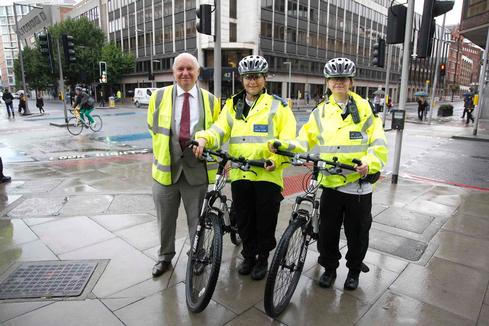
[482, 85]
[217, 50]
[404, 87]
[437, 69]
[62, 82]
[21, 58]
[387, 75]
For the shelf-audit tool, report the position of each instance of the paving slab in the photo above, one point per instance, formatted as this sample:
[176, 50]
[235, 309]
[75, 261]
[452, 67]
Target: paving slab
[117, 303]
[404, 219]
[67, 234]
[169, 308]
[141, 236]
[381, 260]
[127, 266]
[397, 309]
[31, 251]
[463, 249]
[87, 312]
[484, 316]
[32, 186]
[15, 232]
[38, 206]
[121, 221]
[444, 284]
[396, 245]
[6, 201]
[469, 225]
[431, 208]
[132, 204]
[313, 305]
[9, 310]
[31, 221]
[475, 207]
[253, 317]
[86, 205]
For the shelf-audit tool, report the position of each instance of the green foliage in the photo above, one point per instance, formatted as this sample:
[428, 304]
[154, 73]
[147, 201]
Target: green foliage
[118, 62]
[37, 74]
[445, 110]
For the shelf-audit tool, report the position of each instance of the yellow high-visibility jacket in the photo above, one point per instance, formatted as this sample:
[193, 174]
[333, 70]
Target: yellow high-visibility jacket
[269, 118]
[160, 115]
[345, 139]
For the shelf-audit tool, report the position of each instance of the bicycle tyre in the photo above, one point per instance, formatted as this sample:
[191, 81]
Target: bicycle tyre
[275, 305]
[198, 297]
[98, 120]
[74, 126]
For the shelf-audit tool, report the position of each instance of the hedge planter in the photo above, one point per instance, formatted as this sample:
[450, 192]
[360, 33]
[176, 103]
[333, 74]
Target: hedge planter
[445, 110]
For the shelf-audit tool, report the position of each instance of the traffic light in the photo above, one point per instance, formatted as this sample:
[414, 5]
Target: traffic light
[396, 24]
[69, 48]
[379, 53]
[45, 48]
[204, 19]
[443, 69]
[102, 65]
[431, 9]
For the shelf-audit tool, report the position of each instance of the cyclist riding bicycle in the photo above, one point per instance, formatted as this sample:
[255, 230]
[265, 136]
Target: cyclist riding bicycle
[249, 119]
[344, 126]
[85, 103]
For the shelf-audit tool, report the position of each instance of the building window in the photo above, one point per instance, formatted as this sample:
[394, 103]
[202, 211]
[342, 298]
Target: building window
[232, 32]
[232, 9]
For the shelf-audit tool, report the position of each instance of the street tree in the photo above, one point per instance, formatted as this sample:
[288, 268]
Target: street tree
[119, 63]
[37, 73]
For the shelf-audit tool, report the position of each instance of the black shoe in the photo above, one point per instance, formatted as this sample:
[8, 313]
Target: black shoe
[161, 267]
[246, 266]
[351, 282]
[260, 269]
[327, 279]
[5, 179]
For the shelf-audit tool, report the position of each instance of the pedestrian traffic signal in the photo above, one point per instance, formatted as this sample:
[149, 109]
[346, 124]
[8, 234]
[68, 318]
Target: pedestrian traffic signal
[443, 69]
[69, 48]
[378, 55]
[204, 19]
[45, 48]
[431, 9]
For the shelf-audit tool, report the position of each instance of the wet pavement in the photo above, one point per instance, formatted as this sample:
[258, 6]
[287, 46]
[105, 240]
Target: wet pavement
[428, 244]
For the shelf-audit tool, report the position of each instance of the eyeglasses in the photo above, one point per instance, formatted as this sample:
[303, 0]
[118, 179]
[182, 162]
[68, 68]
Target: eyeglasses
[339, 79]
[252, 77]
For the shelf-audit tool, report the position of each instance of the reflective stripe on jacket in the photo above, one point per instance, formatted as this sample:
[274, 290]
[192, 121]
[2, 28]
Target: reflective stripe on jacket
[159, 123]
[269, 118]
[345, 139]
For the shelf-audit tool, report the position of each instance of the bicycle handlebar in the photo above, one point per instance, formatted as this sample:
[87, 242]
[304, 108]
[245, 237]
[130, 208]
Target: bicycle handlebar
[312, 158]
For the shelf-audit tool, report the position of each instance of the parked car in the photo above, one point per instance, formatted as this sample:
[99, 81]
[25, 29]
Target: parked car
[141, 96]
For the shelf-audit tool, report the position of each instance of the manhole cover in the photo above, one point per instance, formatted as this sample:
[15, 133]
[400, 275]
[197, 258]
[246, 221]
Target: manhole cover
[47, 279]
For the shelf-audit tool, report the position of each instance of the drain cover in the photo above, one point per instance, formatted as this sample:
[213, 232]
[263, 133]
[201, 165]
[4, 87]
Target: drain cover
[47, 279]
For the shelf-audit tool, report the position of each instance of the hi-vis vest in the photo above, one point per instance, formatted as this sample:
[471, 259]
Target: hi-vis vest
[160, 115]
[270, 118]
[345, 139]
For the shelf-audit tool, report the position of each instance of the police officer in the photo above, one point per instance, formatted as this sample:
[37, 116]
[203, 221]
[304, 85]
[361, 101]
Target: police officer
[345, 127]
[249, 119]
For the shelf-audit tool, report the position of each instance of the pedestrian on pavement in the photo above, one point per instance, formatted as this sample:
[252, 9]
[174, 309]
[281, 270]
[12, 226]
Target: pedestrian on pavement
[175, 114]
[22, 103]
[377, 103]
[345, 127]
[40, 103]
[85, 103]
[249, 119]
[422, 107]
[8, 98]
[3, 178]
[468, 104]
[470, 109]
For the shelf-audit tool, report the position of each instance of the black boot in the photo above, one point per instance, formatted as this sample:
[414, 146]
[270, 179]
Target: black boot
[351, 282]
[246, 265]
[260, 269]
[327, 279]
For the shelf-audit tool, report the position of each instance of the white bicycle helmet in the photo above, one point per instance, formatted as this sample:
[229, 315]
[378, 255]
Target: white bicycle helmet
[339, 67]
[253, 64]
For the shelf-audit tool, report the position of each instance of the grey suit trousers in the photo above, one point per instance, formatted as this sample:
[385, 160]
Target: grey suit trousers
[167, 202]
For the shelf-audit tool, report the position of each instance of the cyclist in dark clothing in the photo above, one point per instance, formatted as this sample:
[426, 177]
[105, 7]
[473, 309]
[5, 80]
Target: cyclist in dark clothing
[86, 104]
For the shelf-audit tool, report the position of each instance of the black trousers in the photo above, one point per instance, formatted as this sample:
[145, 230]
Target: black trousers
[256, 205]
[354, 211]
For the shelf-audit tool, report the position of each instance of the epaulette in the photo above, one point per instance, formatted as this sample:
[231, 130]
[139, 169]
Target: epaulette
[282, 100]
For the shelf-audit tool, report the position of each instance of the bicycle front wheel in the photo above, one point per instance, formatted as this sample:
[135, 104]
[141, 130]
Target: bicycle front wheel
[203, 263]
[75, 126]
[286, 268]
[98, 123]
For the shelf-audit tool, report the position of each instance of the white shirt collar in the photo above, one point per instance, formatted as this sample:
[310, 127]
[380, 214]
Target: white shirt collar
[192, 92]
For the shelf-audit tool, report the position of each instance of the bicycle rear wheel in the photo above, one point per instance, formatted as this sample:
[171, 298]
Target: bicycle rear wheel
[203, 263]
[286, 268]
[98, 124]
[75, 126]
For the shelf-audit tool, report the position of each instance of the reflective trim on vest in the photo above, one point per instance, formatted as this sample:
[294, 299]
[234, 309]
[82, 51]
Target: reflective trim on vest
[304, 143]
[273, 110]
[318, 122]
[159, 130]
[290, 147]
[365, 126]
[378, 142]
[211, 103]
[159, 96]
[163, 168]
[248, 139]
[230, 120]
[219, 131]
[343, 149]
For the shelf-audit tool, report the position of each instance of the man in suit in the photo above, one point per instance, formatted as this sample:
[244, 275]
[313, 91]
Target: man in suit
[175, 113]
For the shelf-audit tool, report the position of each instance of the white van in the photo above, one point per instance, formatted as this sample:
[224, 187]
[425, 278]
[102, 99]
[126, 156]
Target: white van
[141, 96]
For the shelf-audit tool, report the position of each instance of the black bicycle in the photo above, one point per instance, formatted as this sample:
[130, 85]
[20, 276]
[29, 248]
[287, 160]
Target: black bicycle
[216, 218]
[290, 255]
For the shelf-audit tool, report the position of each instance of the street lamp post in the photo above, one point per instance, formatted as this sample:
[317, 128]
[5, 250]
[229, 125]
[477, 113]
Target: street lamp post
[21, 58]
[290, 68]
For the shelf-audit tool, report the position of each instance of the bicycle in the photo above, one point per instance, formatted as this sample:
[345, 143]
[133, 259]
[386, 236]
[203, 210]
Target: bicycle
[290, 255]
[77, 123]
[215, 219]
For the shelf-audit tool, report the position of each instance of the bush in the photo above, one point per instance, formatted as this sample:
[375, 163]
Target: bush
[445, 110]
